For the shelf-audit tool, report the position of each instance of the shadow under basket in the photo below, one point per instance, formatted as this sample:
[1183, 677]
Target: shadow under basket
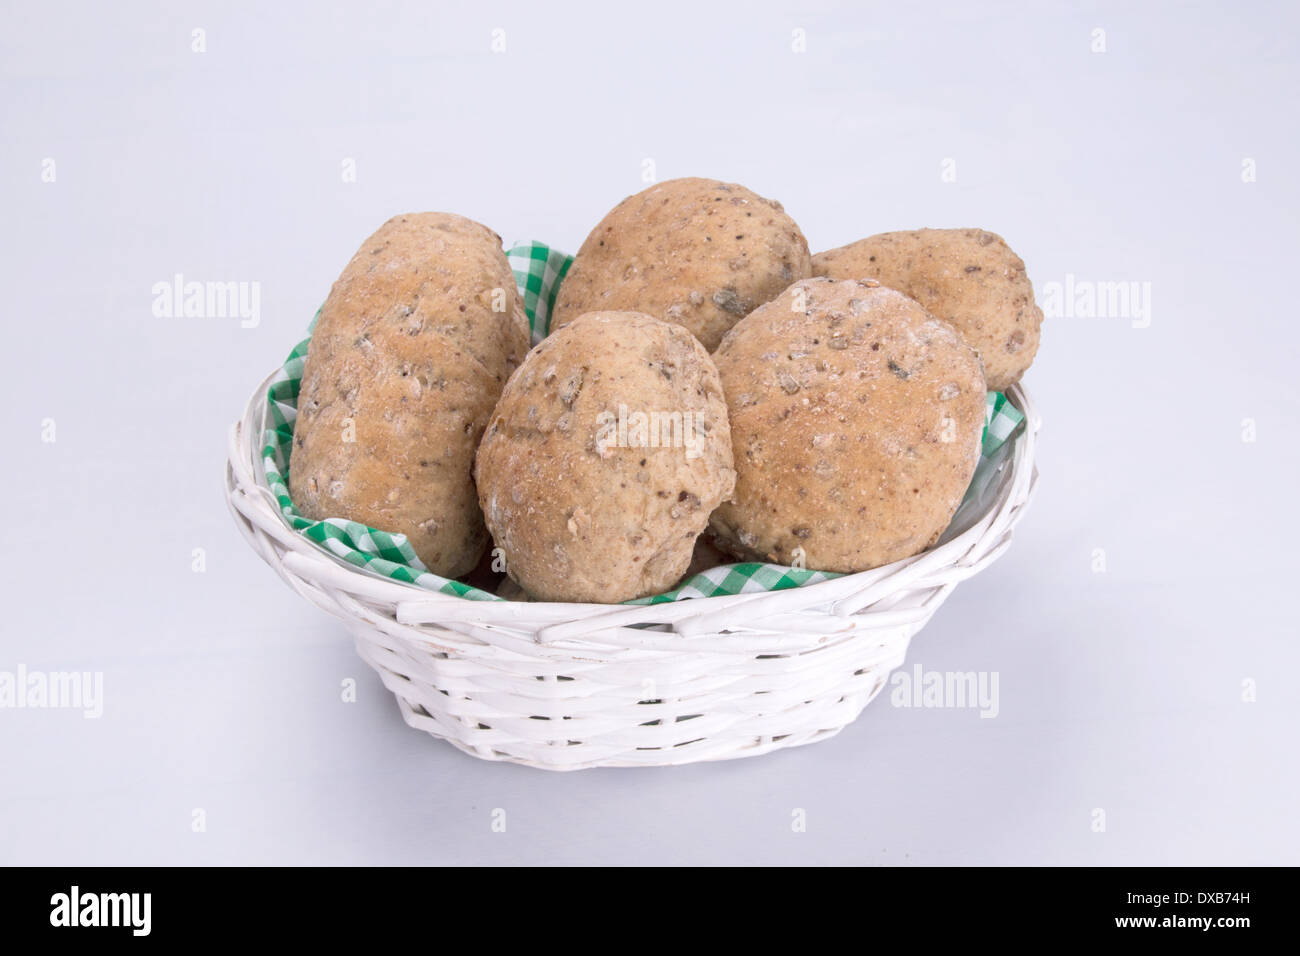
[570, 686]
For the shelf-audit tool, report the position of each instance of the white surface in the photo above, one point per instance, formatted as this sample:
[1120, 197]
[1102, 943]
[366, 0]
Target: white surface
[1120, 690]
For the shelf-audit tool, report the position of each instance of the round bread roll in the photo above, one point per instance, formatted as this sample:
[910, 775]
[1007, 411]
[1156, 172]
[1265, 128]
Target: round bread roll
[605, 455]
[968, 277]
[409, 355]
[856, 418]
[695, 252]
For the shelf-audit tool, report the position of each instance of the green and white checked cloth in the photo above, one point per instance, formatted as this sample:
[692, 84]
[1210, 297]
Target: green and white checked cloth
[538, 270]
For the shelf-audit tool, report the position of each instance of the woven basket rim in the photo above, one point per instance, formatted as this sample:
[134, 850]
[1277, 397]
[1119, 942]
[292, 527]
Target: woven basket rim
[579, 625]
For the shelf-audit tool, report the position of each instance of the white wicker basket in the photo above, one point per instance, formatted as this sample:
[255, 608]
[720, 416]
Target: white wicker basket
[568, 686]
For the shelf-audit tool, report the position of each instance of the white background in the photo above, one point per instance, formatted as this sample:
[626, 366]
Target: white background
[1120, 691]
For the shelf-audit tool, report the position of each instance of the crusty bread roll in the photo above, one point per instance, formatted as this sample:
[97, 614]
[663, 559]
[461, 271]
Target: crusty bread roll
[409, 355]
[856, 419]
[606, 454]
[696, 252]
[968, 277]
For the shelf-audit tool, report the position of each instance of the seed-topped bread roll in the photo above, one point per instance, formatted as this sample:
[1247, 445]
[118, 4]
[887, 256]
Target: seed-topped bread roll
[409, 355]
[856, 419]
[968, 277]
[696, 252]
[606, 454]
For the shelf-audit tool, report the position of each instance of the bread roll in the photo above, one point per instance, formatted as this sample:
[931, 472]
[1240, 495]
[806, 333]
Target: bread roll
[968, 277]
[409, 355]
[856, 419]
[695, 252]
[606, 454]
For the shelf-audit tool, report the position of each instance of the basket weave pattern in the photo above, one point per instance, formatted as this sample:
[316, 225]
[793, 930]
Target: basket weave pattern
[569, 686]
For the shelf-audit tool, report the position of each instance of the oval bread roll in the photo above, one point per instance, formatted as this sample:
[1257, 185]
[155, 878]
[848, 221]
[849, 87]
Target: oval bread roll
[696, 252]
[409, 355]
[606, 454]
[968, 277]
[856, 419]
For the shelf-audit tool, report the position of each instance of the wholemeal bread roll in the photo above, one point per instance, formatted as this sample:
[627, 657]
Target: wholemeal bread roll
[409, 355]
[696, 252]
[705, 557]
[856, 419]
[968, 277]
[605, 455]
